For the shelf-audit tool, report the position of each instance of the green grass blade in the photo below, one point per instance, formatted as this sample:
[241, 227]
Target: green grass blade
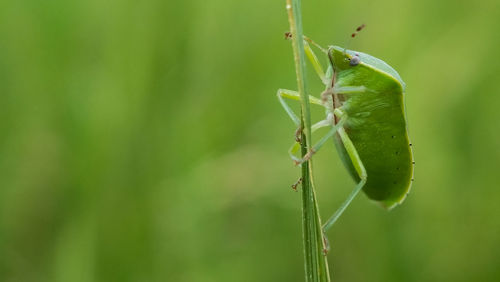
[316, 265]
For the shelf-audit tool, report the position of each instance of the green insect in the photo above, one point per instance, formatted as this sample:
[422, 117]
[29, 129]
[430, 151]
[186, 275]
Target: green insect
[364, 103]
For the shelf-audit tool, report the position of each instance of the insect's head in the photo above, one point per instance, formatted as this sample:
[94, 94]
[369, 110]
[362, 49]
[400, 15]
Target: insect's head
[342, 59]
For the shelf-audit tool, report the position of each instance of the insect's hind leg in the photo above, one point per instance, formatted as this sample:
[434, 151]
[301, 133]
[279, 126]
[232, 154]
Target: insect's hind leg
[360, 169]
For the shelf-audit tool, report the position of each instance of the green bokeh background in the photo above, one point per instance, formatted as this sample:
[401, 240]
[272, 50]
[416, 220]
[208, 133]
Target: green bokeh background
[143, 141]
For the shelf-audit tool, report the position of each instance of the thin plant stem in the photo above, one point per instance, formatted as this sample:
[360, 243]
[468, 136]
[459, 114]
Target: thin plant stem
[315, 261]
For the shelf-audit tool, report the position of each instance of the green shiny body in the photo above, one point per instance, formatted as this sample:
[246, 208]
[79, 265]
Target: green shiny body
[376, 125]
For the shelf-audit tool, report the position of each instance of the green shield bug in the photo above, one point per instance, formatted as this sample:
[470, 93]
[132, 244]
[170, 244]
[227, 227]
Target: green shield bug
[365, 110]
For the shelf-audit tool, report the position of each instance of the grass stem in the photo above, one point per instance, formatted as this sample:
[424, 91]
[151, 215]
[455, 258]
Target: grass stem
[315, 261]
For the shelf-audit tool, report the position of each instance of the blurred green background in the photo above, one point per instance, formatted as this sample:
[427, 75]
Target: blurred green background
[143, 141]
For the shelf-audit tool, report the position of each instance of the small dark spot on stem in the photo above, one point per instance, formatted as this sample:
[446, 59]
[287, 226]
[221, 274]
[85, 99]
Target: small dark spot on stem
[397, 168]
[394, 182]
[397, 153]
[393, 136]
[413, 162]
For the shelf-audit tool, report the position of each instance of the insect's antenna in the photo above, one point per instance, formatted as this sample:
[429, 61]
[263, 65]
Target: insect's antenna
[353, 35]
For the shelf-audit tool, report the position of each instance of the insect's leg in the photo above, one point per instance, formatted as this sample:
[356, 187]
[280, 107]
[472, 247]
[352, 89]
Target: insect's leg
[358, 166]
[323, 139]
[283, 93]
[296, 146]
[293, 151]
[315, 62]
[346, 90]
[323, 123]
[294, 95]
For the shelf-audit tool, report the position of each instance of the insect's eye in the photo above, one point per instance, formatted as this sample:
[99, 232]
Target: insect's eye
[354, 61]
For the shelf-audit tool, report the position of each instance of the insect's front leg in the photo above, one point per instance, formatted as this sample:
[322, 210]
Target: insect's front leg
[313, 58]
[315, 63]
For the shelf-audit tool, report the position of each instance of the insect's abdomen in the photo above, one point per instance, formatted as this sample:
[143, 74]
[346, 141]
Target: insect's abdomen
[376, 125]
